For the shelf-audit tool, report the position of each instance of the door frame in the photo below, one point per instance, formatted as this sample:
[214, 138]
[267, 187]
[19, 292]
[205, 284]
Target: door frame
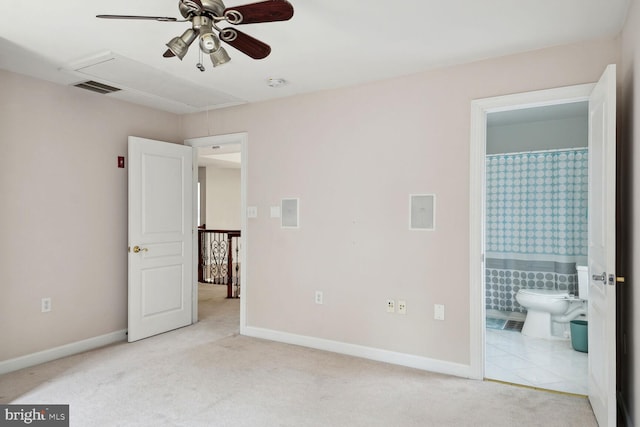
[241, 138]
[479, 110]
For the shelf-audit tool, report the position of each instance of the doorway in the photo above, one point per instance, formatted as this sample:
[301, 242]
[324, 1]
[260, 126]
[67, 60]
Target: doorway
[481, 109]
[536, 193]
[231, 146]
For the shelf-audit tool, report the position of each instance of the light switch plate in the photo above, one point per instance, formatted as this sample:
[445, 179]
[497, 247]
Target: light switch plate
[252, 212]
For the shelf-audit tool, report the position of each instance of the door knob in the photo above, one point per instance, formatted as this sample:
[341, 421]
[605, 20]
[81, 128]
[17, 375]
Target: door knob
[596, 277]
[137, 249]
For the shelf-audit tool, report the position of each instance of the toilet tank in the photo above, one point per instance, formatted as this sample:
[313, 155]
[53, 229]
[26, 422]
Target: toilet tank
[583, 281]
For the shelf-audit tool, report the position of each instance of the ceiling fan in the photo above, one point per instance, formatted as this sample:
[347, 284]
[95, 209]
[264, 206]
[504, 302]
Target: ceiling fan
[205, 15]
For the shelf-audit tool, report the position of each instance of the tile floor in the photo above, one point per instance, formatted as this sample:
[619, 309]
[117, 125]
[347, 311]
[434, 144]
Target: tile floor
[549, 364]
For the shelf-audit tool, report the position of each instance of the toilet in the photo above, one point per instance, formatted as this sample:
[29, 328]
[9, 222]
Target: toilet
[549, 311]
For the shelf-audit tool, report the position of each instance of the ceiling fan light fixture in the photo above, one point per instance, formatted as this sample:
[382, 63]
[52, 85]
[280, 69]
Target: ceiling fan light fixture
[179, 45]
[209, 42]
[219, 57]
[200, 21]
[205, 15]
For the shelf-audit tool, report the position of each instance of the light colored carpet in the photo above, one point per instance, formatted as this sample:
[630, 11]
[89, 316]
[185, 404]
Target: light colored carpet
[208, 375]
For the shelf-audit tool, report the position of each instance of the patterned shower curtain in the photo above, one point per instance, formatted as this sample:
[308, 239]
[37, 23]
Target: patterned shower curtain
[536, 222]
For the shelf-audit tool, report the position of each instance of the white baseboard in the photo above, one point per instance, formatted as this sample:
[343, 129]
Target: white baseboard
[403, 359]
[33, 359]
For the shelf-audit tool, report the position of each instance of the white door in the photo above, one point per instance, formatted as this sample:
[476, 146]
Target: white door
[160, 237]
[602, 255]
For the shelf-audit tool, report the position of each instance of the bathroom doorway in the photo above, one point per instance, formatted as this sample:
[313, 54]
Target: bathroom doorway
[602, 291]
[535, 236]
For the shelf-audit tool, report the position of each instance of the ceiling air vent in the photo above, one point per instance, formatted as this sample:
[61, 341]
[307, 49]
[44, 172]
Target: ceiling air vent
[97, 87]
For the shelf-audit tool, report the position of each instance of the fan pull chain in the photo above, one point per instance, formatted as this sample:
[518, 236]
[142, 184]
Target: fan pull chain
[199, 64]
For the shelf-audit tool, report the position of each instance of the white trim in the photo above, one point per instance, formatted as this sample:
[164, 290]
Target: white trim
[77, 347]
[478, 142]
[476, 239]
[241, 138]
[402, 359]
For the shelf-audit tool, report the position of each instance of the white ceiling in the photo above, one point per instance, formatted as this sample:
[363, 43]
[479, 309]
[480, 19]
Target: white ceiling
[327, 44]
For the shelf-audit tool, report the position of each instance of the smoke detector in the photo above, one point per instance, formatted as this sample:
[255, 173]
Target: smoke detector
[276, 82]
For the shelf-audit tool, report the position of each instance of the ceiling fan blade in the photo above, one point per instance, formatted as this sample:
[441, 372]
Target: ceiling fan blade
[245, 43]
[264, 11]
[147, 18]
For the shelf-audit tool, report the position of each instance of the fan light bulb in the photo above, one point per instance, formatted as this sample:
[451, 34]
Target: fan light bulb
[209, 43]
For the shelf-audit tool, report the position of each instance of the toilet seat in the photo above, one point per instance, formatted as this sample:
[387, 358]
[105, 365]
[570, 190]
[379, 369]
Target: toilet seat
[546, 293]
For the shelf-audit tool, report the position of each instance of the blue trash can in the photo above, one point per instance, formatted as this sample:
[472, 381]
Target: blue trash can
[579, 335]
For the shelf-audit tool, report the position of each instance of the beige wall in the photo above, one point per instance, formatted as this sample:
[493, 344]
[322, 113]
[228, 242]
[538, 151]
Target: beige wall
[223, 198]
[64, 208]
[353, 156]
[629, 206]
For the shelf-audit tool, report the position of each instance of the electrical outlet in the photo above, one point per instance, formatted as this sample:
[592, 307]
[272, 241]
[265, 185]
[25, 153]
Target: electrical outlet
[45, 305]
[391, 306]
[318, 297]
[402, 307]
[438, 312]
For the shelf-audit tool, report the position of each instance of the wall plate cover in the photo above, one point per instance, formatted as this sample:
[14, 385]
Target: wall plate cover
[290, 213]
[402, 307]
[391, 306]
[422, 211]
